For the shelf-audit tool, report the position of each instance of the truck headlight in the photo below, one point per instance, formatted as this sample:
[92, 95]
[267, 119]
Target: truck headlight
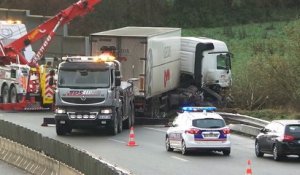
[106, 111]
[60, 111]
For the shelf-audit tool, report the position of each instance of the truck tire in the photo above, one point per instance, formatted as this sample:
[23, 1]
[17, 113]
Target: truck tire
[114, 126]
[120, 125]
[5, 94]
[60, 129]
[154, 108]
[13, 96]
[129, 121]
[132, 115]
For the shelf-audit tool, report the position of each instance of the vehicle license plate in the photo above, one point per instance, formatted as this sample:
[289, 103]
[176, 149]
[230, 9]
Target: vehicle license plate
[210, 135]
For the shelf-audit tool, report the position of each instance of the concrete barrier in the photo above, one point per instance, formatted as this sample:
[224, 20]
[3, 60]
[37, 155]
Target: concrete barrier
[49, 155]
[32, 161]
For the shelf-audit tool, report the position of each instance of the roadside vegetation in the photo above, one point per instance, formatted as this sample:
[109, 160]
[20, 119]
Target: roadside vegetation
[266, 66]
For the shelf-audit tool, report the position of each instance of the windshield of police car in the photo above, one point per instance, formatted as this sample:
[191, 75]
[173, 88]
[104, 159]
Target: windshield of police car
[84, 78]
[208, 123]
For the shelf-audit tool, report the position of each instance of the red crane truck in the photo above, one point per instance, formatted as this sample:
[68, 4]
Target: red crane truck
[24, 85]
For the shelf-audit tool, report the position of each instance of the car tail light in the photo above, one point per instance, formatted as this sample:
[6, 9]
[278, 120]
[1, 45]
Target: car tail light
[193, 131]
[226, 131]
[288, 138]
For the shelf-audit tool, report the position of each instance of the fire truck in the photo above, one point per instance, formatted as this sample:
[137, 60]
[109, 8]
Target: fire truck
[25, 85]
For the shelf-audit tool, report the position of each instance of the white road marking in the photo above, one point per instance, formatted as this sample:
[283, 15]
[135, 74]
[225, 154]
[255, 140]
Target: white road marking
[178, 158]
[119, 141]
[159, 130]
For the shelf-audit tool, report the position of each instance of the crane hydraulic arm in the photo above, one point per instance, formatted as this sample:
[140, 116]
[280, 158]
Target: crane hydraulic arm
[13, 50]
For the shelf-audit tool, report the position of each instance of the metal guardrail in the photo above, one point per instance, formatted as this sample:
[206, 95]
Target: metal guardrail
[243, 123]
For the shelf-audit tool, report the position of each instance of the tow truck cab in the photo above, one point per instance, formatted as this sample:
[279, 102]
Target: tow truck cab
[90, 95]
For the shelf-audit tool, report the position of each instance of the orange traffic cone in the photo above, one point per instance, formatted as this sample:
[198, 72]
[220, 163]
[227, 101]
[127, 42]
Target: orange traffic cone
[249, 170]
[131, 141]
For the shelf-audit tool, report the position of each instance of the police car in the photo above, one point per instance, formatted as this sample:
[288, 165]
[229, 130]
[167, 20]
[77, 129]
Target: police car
[198, 128]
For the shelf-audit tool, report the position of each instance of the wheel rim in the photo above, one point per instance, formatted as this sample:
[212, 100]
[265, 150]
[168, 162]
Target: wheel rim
[256, 148]
[275, 153]
[167, 143]
[183, 149]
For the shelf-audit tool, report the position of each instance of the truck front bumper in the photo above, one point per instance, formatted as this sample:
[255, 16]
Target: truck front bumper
[99, 122]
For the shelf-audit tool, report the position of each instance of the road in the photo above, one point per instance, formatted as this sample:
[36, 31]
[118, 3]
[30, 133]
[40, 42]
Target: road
[9, 169]
[150, 157]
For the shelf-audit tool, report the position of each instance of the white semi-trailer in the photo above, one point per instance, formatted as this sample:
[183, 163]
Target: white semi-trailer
[168, 70]
[149, 54]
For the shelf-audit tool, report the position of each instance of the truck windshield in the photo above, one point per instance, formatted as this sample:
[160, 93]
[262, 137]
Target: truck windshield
[83, 78]
[223, 61]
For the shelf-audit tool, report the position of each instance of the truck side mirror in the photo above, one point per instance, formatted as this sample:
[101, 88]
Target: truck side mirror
[117, 73]
[118, 81]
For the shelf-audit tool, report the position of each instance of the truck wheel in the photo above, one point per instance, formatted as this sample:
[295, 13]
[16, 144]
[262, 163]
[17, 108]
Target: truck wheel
[13, 95]
[60, 129]
[129, 121]
[154, 108]
[5, 94]
[132, 115]
[114, 126]
[120, 125]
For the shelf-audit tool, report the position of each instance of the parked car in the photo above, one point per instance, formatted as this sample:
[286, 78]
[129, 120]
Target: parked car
[280, 138]
[198, 128]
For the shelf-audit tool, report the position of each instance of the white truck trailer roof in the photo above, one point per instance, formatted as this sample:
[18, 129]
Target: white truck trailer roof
[133, 31]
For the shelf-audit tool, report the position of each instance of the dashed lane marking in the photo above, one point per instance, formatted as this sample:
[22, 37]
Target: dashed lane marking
[119, 141]
[178, 158]
[154, 129]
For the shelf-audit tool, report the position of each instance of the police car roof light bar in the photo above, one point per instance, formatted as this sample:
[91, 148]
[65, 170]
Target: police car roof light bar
[195, 109]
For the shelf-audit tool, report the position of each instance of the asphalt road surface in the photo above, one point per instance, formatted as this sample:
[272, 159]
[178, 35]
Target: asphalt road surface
[150, 157]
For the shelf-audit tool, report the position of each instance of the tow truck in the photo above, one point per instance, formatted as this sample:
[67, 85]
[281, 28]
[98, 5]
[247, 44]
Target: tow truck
[90, 94]
[25, 85]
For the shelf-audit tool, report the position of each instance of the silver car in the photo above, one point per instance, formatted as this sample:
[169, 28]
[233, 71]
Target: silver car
[198, 128]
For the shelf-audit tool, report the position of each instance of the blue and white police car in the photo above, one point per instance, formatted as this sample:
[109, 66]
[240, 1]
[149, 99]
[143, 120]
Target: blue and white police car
[198, 128]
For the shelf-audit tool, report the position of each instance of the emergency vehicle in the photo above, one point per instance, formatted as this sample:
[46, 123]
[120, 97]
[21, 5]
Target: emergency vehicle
[90, 94]
[198, 128]
[25, 85]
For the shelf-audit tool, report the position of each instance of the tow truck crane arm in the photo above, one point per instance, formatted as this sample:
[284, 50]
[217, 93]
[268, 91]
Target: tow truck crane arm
[13, 50]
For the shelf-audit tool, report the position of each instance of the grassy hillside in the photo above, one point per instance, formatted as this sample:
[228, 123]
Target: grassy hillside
[266, 63]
